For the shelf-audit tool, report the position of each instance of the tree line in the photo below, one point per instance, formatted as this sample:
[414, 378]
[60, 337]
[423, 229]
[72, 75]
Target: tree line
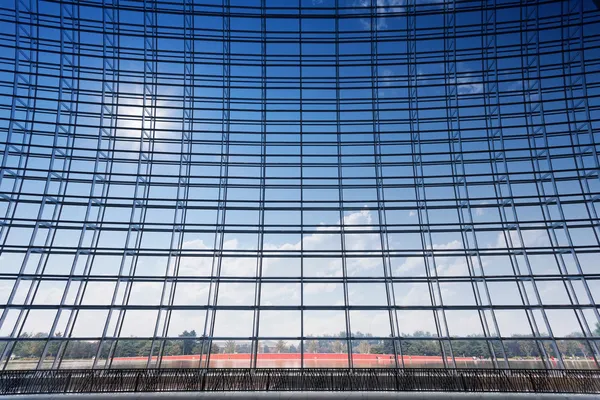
[190, 343]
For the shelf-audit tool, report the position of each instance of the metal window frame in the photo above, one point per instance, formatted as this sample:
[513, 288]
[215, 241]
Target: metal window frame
[187, 149]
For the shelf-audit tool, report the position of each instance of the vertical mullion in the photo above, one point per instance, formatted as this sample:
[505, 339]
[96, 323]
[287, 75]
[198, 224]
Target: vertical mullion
[181, 206]
[505, 177]
[419, 184]
[149, 112]
[532, 106]
[144, 165]
[263, 167]
[301, 130]
[223, 183]
[26, 67]
[349, 334]
[107, 142]
[382, 221]
[60, 131]
[489, 63]
[574, 80]
[70, 84]
[459, 176]
[494, 129]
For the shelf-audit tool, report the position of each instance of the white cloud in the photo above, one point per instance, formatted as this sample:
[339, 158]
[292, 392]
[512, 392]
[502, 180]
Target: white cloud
[387, 77]
[516, 86]
[528, 87]
[280, 294]
[531, 238]
[316, 288]
[469, 84]
[480, 211]
[412, 265]
[384, 8]
[322, 293]
[453, 245]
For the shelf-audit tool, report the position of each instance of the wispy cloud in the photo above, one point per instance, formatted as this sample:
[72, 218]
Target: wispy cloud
[384, 9]
[468, 83]
[143, 322]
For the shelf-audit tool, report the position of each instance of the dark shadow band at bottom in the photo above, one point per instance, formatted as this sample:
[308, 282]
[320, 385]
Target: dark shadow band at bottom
[295, 380]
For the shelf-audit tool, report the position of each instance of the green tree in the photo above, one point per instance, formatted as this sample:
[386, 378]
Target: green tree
[229, 347]
[338, 346]
[388, 347]
[29, 348]
[79, 349]
[54, 346]
[364, 347]
[324, 346]
[188, 342]
[281, 346]
[105, 348]
[126, 348]
[528, 348]
[470, 348]
[173, 348]
[421, 347]
[201, 345]
[376, 348]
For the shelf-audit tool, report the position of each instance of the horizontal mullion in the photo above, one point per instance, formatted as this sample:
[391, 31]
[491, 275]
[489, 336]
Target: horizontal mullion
[313, 205]
[347, 180]
[448, 157]
[332, 229]
[307, 356]
[304, 308]
[479, 278]
[306, 84]
[162, 31]
[323, 253]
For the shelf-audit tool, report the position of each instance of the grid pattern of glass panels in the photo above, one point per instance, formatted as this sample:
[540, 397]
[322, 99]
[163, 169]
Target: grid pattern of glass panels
[299, 183]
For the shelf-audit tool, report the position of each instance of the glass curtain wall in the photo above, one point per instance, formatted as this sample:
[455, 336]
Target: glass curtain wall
[299, 184]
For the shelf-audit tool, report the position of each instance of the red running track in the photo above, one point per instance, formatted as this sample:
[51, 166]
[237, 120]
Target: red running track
[297, 356]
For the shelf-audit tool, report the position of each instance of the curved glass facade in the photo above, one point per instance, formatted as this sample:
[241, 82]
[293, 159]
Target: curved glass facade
[299, 183]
